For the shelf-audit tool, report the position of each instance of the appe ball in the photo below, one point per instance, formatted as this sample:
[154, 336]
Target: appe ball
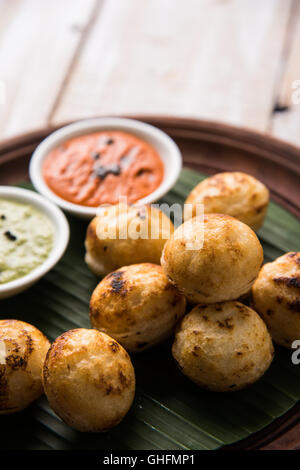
[223, 347]
[136, 305]
[121, 235]
[22, 353]
[233, 193]
[89, 380]
[224, 268]
[276, 297]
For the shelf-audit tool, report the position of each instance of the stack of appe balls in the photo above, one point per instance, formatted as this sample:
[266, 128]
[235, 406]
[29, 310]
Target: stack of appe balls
[221, 345]
[140, 304]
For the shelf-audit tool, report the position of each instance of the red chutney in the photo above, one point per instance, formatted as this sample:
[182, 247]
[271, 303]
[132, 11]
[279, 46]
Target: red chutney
[100, 168]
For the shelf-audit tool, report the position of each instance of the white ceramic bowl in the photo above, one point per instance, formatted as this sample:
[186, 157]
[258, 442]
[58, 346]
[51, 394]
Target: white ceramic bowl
[164, 145]
[61, 237]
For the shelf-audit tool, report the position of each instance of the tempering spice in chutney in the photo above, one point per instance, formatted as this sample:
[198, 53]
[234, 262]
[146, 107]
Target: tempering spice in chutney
[101, 167]
[26, 239]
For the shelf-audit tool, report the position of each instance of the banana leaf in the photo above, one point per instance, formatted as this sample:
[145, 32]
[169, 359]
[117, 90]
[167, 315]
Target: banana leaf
[169, 411]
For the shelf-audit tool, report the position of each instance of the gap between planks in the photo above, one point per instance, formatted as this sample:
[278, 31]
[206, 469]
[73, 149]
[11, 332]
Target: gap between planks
[38, 40]
[285, 120]
[84, 37]
[213, 60]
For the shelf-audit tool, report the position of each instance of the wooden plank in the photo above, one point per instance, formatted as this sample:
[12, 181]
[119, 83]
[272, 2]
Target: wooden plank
[209, 59]
[291, 63]
[285, 122]
[38, 41]
[286, 125]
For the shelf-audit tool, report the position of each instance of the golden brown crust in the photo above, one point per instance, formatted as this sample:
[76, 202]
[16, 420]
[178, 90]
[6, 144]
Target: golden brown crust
[234, 193]
[223, 269]
[137, 305]
[89, 380]
[276, 297]
[223, 347]
[22, 352]
[106, 255]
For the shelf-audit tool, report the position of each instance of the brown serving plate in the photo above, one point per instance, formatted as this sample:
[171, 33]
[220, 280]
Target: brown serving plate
[209, 148]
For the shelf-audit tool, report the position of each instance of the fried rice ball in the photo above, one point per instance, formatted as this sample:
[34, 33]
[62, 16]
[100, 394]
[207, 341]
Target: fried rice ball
[121, 235]
[223, 347]
[276, 297]
[223, 269]
[136, 305]
[89, 380]
[22, 353]
[233, 193]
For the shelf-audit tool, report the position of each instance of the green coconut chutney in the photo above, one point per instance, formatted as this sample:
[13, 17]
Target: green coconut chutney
[26, 239]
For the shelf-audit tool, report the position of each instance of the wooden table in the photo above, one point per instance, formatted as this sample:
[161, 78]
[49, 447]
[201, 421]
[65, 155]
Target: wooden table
[228, 60]
[235, 61]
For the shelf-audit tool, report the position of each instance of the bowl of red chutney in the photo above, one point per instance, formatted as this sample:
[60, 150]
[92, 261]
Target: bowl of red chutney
[105, 160]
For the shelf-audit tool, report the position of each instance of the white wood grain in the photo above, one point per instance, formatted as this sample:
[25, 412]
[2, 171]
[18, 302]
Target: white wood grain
[286, 124]
[38, 40]
[212, 59]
